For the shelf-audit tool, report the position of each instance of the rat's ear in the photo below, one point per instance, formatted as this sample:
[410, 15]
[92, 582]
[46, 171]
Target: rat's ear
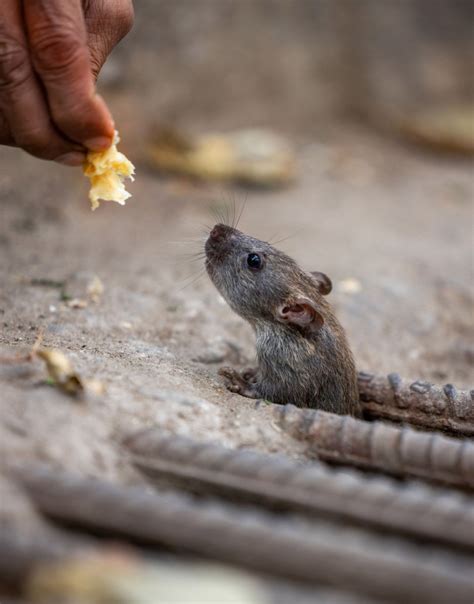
[301, 313]
[323, 281]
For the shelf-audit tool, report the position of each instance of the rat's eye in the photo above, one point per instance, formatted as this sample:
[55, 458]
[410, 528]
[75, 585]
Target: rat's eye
[254, 262]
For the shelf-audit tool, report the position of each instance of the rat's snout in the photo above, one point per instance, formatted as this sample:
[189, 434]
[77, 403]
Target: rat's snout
[219, 235]
[218, 242]
[219, 232]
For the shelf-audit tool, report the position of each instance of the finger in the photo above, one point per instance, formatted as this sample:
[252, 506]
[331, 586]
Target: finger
[25, 119]
[106, 24]
[58, 46]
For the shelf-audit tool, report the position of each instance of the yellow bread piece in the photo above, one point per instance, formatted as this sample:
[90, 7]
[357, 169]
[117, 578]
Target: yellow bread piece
[107, 170]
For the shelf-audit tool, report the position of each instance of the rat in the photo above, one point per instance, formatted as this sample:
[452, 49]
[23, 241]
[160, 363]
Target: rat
[302, 350]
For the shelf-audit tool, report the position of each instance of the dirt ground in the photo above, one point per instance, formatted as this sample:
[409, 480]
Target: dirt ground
[395, 222]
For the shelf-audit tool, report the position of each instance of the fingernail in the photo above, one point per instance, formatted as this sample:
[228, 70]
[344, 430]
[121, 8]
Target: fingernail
[98, 144]
[74, 158]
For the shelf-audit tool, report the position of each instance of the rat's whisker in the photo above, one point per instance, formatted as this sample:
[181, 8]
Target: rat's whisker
[233, 211]
[186, 241]
[216, 211]
[294, 234]
[197, 254]
[192, 275]
[196, 278]
[213, 211]
[197, 259]
[226, 214]
[186, 261]
[241, 211]
[230, 209]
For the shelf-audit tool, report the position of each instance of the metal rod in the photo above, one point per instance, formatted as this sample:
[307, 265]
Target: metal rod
[419, 403]
[400, 451]
[315, 552]
[314, 489]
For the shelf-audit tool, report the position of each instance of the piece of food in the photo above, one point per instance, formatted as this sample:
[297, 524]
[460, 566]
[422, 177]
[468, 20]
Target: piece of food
[107, 171]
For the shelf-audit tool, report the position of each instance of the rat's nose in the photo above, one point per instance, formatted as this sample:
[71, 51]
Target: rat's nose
[218, 232]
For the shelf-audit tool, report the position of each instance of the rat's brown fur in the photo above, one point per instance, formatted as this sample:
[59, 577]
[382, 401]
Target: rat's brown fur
[303, 355]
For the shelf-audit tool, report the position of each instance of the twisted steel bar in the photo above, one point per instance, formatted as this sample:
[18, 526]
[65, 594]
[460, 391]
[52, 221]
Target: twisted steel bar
[420, 403]
[400, 451]
[314, 552]
[282, 484]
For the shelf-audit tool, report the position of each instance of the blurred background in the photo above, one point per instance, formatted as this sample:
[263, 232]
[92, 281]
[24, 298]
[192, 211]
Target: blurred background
[296, 66]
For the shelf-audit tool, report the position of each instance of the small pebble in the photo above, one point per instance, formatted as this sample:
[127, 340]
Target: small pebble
[349, 286]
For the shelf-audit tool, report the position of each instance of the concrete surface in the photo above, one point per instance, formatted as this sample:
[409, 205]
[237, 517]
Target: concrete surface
[398, 223]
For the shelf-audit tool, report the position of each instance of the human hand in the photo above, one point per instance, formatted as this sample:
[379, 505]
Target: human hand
[51, 52]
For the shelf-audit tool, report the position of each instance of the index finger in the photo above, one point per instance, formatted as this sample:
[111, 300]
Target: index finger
[58, 44]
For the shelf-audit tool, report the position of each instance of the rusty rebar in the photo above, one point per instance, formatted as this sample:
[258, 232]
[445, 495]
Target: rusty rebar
[280, 483]
[400, 451]
[315, 552]
[420, 403]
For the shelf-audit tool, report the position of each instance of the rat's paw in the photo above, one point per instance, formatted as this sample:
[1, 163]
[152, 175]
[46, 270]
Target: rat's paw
[236, 382]
[250, 374]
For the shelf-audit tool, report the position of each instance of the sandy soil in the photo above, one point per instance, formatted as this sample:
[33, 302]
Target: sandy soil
[397, 222]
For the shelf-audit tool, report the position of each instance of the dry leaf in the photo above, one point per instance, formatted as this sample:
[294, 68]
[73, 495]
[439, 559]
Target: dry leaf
[446, 128]
[257, 157]
[107, 171]
[95, 289]
[62, 374]
[61, 371]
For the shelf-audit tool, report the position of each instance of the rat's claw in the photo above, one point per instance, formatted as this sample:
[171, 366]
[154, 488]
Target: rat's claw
[237, 383]
[233, 377]
[250, 374]
[228, 373]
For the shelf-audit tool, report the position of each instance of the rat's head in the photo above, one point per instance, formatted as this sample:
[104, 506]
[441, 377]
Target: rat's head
[261, 283]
